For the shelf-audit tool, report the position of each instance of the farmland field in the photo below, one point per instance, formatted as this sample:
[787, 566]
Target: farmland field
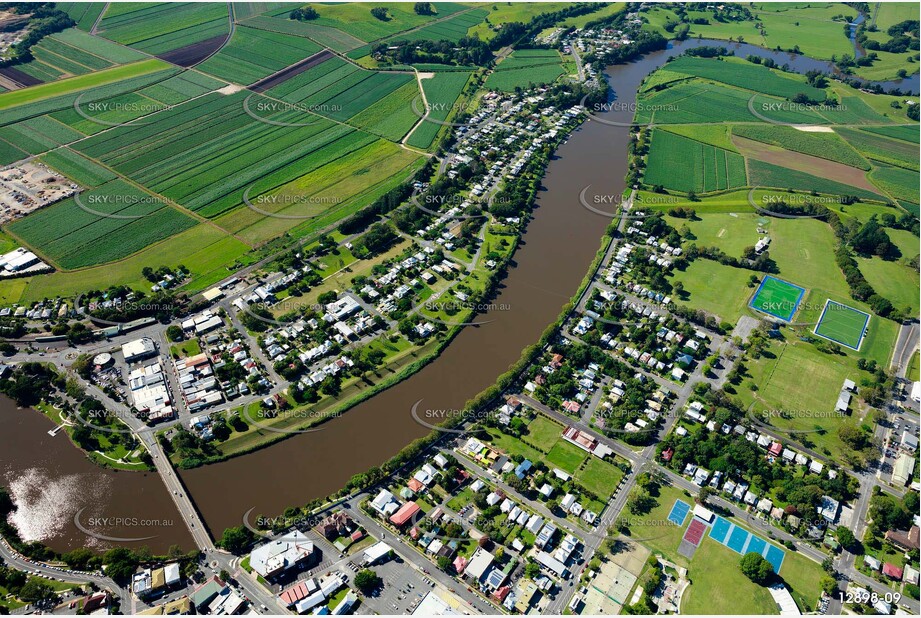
[441, 92]
[524, 67]
[905, 133]
[880, 148]
[84, 13]
[157, 28]
[335, 39]
[253, 54]
[746, 75]
[355, 18]
[825, 145]
[769, 175]
[126, 217]
[68, 86]
[902, 184]
[78, 168]
[451, 29]
[683, 164]
[204, 249]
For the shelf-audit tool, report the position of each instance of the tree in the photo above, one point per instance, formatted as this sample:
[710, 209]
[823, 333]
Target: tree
[174, 333]
[846, 538]
[120, 563]
[36, 591]
[237, 539]
[305, 13]
[367, 580]
[423, 8]
[444, 563]
[756, 568]
[380, 13]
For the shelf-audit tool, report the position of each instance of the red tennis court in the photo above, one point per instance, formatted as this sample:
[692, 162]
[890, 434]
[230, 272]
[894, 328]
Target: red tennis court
[695, 532]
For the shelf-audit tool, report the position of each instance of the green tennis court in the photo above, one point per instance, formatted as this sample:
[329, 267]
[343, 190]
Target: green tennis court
[777, 297]
[842, 324]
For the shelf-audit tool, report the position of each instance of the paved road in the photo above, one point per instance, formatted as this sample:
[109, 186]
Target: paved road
[16, 560]
[905, 346]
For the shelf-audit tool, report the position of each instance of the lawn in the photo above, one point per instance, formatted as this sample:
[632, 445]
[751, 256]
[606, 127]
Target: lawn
[599, 477]
[719, 587]
[715, 288]
[566, 456]
[543, 433]
[797, 379]
[513, 446]
[732, 233]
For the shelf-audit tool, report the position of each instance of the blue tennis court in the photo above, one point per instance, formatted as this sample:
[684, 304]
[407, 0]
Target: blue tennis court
[756, 544]
[742, 541]
[775, 556]
[737, 539]
[679, 512]
[720, 528]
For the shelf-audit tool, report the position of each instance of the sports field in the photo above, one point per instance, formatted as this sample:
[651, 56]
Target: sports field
[842, 324]
[777, 298]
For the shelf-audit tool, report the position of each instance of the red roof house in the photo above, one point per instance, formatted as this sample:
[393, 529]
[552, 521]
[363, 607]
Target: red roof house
[404, 514]
[890, 570]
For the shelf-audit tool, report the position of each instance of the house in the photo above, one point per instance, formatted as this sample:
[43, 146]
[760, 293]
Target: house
[910, 575]
[376, 553]
[904, 469]
[479, 565]
[277, 556]
[775, 449]
[385, 503]
[828, 509]
[892, 571]
[905, 540]
[872, 563]
[405, 514]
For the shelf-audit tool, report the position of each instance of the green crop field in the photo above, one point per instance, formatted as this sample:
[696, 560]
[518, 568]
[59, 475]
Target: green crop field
[880, 148]
[904, 133]
[126, 217]
[525, 67]
[451, 29]
[441, 92]
[713, 134]
[392, 116]
[206, 150]
[777, 298]
[842, 324]
[746, 75]
[205, 250]
[157, 28]
[253, 54]
[84, 13]
[43, 92]
[902, 184]
[335, 39]
[78, 168]
[768, 175]
[825, 145]
[683, 164]
[355, 19]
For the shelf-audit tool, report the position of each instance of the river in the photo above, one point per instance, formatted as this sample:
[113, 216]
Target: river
[51, 480]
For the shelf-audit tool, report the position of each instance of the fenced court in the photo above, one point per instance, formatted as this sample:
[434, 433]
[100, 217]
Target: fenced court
[842, 324]
[777, 298]
[742, 542]
[679, 512]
